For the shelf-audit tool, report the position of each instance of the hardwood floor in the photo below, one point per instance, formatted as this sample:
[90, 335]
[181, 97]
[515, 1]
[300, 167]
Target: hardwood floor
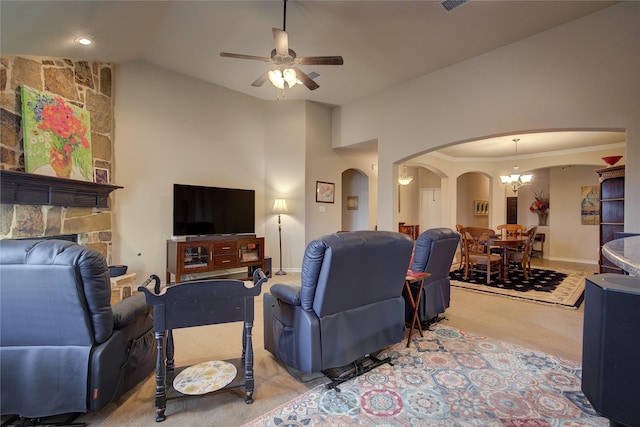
[552, 329]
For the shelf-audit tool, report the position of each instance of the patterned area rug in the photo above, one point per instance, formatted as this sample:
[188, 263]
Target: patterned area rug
[449, 378]
[546, 286]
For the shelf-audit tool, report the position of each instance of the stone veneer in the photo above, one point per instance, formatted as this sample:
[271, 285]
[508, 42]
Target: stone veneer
[86, 84]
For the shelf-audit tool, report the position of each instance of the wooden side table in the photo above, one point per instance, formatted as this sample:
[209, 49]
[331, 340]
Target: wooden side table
[414, 277]
[411, 230]
[199, 303]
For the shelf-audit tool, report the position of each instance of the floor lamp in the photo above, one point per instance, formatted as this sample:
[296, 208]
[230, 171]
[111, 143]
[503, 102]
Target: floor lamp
[280, 207]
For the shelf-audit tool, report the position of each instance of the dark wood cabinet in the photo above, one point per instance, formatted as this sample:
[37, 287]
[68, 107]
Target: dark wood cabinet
[214, 253]
[411, 230]
[611, 211]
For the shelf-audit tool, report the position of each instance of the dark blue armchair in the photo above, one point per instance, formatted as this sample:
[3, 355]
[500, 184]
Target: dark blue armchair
[434, 252]
[63, 347]
[349, 303]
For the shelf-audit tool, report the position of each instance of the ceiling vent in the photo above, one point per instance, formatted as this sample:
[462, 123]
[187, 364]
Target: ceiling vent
[313, 75]
[452, 4]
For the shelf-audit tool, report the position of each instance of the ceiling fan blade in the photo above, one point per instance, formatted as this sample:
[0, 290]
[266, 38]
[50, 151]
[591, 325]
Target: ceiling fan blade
[306, 80]
[282, 41]
[260, 80]
[241, 56]
[320, 60]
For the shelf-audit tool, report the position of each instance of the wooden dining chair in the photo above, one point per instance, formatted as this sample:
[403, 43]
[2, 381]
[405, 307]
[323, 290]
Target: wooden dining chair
[478, 257]
[522, 256]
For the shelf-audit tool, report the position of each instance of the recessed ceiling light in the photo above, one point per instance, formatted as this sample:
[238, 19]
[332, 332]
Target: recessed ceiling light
[85, 41]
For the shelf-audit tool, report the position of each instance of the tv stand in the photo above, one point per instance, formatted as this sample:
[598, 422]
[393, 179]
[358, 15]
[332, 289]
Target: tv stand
[207, 254]
[201, 237]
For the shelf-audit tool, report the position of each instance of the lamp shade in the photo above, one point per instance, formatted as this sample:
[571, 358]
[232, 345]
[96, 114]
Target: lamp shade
[279, 206]
[405, 179]
[276, 79]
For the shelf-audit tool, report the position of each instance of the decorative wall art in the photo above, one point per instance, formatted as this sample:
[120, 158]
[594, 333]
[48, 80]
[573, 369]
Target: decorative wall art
[590, 205]
[481, 207]
[325, 192]
[57, 136]
[352, 203]
[101, 175]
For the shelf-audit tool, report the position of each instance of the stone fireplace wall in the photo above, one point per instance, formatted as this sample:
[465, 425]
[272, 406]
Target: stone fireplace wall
[86, 84]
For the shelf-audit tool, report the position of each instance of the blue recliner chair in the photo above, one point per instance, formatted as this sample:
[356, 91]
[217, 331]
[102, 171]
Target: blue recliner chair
[63, 347]
[433, 253]
[349, 303]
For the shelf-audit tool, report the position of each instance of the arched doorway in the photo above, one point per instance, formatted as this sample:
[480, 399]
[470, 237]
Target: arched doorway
[355, 200]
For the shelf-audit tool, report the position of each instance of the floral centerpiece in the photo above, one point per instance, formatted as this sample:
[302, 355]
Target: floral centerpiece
[540, 206]
[56, 135]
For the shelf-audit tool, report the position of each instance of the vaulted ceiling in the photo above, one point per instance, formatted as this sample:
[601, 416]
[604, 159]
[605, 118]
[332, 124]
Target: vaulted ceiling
[383, 43]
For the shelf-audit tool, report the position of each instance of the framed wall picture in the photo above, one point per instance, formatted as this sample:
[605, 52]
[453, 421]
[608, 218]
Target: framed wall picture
[352, 203]
[101, 175]
[57, 136]
[325, 192]
[481, 207]
[590, 205]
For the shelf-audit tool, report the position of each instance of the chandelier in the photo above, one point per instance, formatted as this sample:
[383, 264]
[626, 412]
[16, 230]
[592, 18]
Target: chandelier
[515, 180]
[404, 179]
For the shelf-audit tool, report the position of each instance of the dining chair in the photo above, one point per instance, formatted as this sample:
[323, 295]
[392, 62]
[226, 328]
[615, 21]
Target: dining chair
[478, 257]
[522, 256]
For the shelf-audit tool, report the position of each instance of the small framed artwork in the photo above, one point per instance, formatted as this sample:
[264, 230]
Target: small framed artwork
[101, 175]
[325, 192]
[352, 203]
[481, 207]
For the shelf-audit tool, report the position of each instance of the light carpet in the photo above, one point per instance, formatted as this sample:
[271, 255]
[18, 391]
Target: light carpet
[449, 378]
[569, 293]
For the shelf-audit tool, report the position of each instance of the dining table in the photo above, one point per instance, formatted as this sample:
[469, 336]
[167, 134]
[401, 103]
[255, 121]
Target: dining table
[505, 242]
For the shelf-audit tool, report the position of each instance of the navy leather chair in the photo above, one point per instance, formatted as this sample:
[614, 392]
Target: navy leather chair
[433, 253]
[63, 347]
[349, 303]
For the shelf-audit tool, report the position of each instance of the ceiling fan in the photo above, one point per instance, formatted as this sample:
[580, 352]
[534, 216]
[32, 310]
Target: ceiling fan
[285, 72]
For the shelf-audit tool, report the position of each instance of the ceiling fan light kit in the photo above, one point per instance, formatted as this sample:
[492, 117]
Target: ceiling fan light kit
[278, 78]
[285, 60]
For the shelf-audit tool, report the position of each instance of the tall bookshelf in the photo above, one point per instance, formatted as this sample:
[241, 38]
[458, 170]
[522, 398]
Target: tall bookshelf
[611, 211]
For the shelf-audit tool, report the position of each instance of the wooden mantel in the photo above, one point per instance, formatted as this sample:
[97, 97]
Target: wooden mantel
[22, 188]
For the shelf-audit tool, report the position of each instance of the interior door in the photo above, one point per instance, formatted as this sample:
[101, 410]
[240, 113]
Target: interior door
[512, 210]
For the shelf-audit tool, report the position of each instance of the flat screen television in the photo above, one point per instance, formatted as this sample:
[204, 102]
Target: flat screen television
[200, 210]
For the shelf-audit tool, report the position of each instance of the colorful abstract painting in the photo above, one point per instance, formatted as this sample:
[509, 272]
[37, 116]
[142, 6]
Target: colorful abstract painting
[57, 136]
[590, 206]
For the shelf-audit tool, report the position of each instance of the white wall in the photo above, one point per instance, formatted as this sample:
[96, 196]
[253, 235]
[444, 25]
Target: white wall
[570, 240]
[322, 164]
[174, 129]
[582, 75]
[409, 198]
[285, 178]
